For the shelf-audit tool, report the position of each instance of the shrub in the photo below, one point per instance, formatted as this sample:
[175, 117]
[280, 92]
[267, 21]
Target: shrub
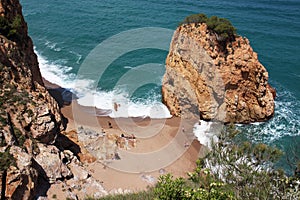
[10, 29]
[2, 140]
[6, 160]
[20, 137]
[167, 188]
[221, 26]
[248, 169]
[4, 26]
[195, 18]
[3, 120]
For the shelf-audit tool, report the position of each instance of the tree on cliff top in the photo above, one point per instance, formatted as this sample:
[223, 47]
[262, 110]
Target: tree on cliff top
[221, 26]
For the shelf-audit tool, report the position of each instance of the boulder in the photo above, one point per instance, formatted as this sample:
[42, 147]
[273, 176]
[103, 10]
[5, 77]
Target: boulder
[52, 166]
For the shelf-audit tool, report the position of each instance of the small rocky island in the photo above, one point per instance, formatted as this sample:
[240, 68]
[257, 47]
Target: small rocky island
[214, 74]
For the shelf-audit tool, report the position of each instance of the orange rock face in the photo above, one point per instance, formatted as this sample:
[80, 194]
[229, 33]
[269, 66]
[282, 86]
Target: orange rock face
[214, 82]
[28, 113]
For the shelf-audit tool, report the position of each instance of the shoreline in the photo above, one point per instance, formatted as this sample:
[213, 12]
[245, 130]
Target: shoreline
[152, 135]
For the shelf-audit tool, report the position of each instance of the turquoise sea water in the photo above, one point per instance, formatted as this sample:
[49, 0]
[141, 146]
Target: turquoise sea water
[64, 33]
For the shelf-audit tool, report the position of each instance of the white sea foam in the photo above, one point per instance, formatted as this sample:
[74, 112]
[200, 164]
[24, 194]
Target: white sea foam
[55, 73]
[52, 46]
[204, 133]
[87, 96]
[128, 67]
[286, 121]
[79, 56]
[120, 105]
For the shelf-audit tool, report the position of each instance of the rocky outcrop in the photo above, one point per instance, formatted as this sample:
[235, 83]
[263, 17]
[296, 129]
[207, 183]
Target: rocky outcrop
[11, 10]
[50, 159]
[215, 82]
[29, 116]
[23, 96]
[33, 151]
[21, 179]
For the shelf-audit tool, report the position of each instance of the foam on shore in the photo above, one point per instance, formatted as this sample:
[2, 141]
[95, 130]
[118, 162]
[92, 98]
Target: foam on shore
[117, 101]
[204, 134]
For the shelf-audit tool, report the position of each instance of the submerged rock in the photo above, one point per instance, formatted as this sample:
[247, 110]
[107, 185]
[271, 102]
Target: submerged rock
[215, 82]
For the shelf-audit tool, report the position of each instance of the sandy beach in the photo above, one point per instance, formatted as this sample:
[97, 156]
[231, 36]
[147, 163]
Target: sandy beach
[161, 146]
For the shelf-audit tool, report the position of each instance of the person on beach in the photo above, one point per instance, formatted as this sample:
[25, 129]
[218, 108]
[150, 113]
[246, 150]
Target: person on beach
[109, 124]
[116, 107]
[186, 144]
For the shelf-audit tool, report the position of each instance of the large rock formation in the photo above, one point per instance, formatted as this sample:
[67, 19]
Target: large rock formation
[215, 81]
[27, 103]
[28, 115]
[33, 152]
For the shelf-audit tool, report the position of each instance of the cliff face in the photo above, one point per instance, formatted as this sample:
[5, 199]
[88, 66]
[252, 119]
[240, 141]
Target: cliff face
[11, 10]
[24, 99]
[29, 115]
[214, 82]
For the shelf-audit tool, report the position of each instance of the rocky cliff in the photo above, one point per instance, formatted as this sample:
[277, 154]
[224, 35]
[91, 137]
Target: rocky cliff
[215, 81]
[29, 116]
[33, 151]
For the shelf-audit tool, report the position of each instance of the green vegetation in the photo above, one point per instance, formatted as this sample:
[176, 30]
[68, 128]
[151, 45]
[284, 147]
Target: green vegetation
[10, 99]
[247, 169]
[2, 140]
[221, 26]
[20, 137]
[6, 160]
[2, 118]
[10, 29]
[168, 188]
[195, 18]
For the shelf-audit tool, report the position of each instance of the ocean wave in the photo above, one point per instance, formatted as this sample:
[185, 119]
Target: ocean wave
[205, 134]
[55, 73]
[79, 56]
[52, 46]
[121, 105]
[285, 122]
[117, 101]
